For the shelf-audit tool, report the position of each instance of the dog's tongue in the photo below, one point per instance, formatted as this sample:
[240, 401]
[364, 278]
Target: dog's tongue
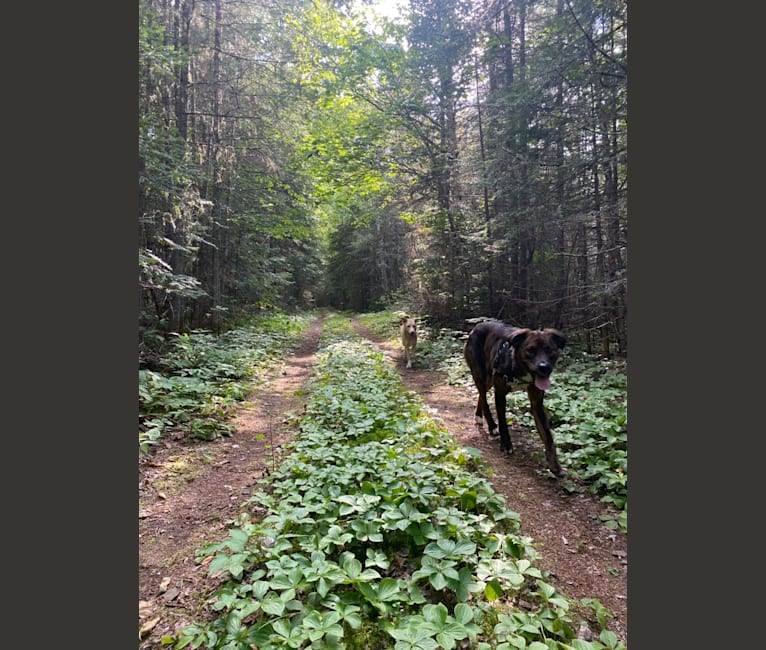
[543, 383]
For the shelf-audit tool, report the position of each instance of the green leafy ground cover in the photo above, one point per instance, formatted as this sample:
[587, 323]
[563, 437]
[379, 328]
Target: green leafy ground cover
[203, 375]
[587, 405]
[378, 531]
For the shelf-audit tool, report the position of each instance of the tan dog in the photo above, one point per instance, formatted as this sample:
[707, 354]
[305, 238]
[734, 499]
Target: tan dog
[409, 334]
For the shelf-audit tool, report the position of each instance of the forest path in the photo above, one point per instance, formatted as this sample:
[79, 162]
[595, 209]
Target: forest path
[190, 493]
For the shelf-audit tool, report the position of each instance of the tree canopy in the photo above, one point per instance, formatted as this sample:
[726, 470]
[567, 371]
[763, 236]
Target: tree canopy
[469, 157]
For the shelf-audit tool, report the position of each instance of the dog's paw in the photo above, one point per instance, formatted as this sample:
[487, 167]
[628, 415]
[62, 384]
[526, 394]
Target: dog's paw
[479, 420]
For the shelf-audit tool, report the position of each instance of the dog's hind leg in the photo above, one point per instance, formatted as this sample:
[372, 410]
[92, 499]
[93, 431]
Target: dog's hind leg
[483, 413]
[505, 437]
[479, 412]
[472, 353]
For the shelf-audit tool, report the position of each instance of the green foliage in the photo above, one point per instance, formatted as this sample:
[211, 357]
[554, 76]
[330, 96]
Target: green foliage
[379, 530]
[155, 273]
[383, 323]
[588, 409]
[204, 375]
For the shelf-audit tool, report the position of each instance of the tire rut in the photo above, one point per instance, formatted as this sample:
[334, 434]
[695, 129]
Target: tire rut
[189, 494]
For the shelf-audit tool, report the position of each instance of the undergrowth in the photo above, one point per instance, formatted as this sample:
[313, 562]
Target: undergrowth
[203, 375]
[378, 531]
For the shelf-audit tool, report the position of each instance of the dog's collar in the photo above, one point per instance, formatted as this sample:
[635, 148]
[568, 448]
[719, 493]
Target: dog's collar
[524, 380]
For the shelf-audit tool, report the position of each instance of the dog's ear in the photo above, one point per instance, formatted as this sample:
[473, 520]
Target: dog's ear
[517, 338]
[557, 337]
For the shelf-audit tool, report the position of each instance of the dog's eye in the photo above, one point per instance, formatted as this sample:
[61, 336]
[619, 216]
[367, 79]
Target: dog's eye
[530, 352]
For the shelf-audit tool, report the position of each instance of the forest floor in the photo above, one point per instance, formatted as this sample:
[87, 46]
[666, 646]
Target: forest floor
[190, 493]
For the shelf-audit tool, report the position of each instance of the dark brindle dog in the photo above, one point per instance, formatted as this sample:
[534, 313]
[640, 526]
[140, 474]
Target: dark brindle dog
[511, 358]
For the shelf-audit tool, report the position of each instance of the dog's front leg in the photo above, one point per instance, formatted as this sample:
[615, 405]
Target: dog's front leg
[505, 438]
[542, 422]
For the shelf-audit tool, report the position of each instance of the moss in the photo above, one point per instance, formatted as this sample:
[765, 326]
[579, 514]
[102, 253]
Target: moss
[368, 637]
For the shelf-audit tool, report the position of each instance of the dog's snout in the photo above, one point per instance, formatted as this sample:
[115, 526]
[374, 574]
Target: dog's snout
[544, 368]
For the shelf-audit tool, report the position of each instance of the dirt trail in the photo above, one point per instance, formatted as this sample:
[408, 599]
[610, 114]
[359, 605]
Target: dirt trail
[189, 494]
